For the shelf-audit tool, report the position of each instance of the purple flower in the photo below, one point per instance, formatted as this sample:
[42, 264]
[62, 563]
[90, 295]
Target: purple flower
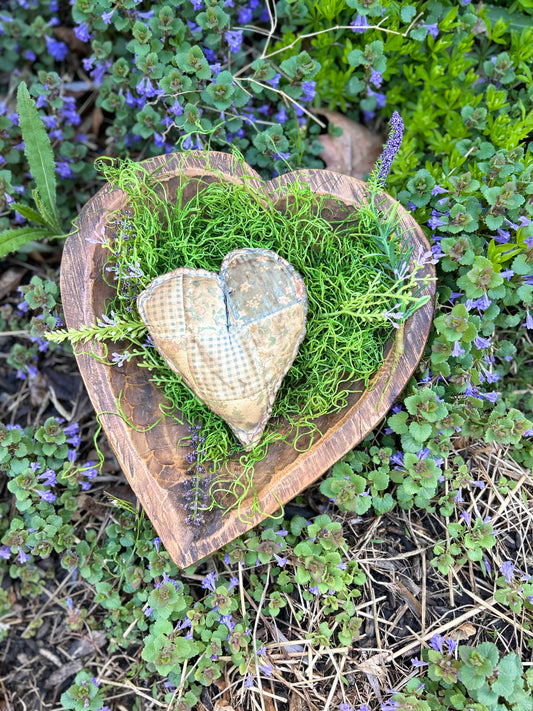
[29, 54]
[380, 98]
[376, 78]
[281, 116]
[5, 552]
[433, 30]
[106, 16]
[234, 40]
[397, 458]
[482, 343]
[418, 663]
[156, 542]
[249, 682]
[46, 496]
[49, 477]
[22, 556]
[146, 88]
[98, 72]
[437, 190]
[309, 90]
[483, 302]
[391, 147]
[120, 358]
[245, 15]
[346, 707]
[72, 429]
[435, 221]
[360, 24]
[529, 321]
[90, 471]
[228, 621]
[436, 642]
[390, 705]
[266, 669]
[502, 236]
[82, 32]
[471, 391]
[57, 49]
[452, 644]
[465, 515]
[457, 350]
[64, 170]
[68, 111]
[208, 583]
[507, 570]
[491, 397]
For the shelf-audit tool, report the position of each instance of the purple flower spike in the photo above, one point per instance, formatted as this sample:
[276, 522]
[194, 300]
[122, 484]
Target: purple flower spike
[391, 147]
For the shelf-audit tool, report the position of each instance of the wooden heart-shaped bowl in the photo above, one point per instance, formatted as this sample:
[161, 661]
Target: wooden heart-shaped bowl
[150, 454]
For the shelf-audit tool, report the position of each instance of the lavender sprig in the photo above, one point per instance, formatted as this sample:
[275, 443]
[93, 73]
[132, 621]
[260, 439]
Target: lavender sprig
[392, 147]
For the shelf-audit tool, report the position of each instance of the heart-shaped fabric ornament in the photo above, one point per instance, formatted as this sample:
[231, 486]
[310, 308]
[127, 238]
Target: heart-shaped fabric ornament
[231, 336]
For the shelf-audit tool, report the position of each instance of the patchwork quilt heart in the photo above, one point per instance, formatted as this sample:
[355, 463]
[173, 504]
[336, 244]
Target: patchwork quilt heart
[231, 336]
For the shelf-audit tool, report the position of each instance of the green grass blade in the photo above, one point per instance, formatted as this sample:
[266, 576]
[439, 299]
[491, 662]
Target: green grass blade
[11, 240]
[38, 151]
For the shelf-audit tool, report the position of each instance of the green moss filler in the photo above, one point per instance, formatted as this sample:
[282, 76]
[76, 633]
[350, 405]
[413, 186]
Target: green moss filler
[355, 291]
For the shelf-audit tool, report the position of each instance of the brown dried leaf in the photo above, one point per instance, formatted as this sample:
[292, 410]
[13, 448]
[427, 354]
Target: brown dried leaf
[222, 706]
[297, 703]
[354, 152]
[462, 632]
[10, 279]
[373, 666]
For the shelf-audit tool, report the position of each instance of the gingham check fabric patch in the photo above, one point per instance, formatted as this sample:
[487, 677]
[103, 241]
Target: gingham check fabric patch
[231, 336]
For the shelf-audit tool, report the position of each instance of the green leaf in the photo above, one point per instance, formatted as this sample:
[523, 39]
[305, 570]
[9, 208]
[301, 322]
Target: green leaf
[11, 240]
[397, 422]
[38, 152]
[407, 13]
[28, 212]
[420, 432]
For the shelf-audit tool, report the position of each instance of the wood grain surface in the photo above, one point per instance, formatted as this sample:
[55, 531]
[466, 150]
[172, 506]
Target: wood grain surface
[149, 454]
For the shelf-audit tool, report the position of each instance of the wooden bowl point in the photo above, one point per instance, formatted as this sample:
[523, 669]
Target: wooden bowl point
[149, 454]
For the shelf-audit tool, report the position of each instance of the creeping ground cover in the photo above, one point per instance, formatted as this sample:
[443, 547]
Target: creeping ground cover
[404, 578]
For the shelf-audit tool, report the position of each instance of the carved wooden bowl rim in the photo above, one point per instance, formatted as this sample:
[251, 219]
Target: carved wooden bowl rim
[152, 462]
